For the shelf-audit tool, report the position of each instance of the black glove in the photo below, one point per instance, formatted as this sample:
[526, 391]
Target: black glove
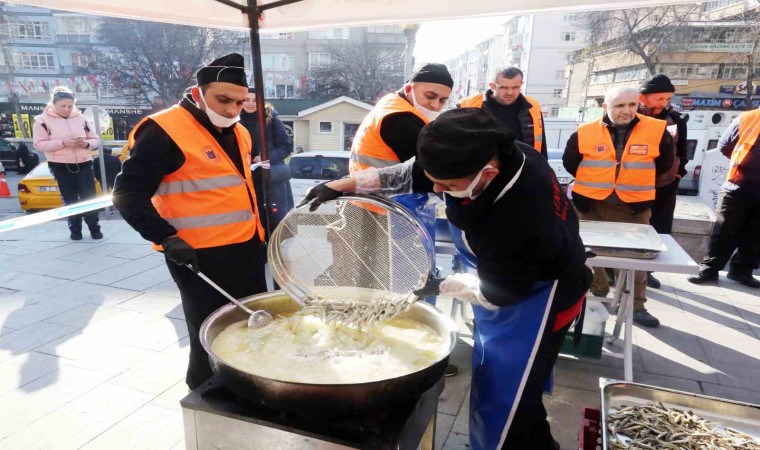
[180, 252]
[319, 194]
[431, 288]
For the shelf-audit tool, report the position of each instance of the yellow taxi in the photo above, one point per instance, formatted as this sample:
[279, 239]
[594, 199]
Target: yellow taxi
[39, 190]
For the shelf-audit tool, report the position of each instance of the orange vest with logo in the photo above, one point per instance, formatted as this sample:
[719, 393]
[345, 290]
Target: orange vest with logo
[206, 199]
[477, 100]
[749, 133]
[368, 148]
[597, 175]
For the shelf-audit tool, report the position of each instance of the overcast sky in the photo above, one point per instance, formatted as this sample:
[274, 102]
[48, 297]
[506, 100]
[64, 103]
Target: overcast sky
[438, 41]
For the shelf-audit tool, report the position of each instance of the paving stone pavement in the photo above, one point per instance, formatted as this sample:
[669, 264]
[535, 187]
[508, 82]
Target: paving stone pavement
[93, 347]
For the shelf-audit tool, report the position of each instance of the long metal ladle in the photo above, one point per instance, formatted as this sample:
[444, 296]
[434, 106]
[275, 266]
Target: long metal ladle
[257, 319]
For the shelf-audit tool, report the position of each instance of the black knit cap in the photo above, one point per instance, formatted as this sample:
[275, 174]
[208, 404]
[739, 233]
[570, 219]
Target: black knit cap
[227, 69]
[433, 73]
[657, 84]
[460, 142]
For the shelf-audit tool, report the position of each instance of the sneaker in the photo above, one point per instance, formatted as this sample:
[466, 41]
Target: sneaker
[451, 370]
[643, 318]
[745, 279]
[97, 234]
[704, 277]
[76, 235]
[653, 282]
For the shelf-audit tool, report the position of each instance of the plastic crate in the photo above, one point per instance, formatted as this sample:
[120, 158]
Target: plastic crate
[590, 345]
[589, 431]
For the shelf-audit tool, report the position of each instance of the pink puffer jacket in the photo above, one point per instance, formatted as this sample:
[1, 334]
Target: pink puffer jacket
[50, 137]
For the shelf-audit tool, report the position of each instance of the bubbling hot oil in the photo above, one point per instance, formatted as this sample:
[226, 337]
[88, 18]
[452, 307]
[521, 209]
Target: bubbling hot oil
[307, 347]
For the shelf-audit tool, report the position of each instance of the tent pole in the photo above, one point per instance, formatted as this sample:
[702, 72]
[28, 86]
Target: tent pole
[258, 82]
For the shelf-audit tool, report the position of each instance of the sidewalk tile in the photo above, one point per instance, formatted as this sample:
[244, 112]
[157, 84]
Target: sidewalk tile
[91, 293]
[457, 441]
[36, 312]
[148, 428]
[80, 421]
[733, 393]
[669, 382]
[156, 374]
[170, 398]
[126, 270]
[146, 279]
[43, 395]
[96, 253]
[168, 288]
[134, 252]
[29, 338]
[155, 304]
[21, 299]
[84, 269]
[25, 368]
[443, 425]
[157, 335]
[669, 351]
[567, 403]
[84, 315]
[26, 282]
[112, 359]
[38, 266]
[456, 387]
[462, 420]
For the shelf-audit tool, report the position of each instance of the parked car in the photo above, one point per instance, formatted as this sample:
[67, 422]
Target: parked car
[311, 168]
[38, 190]
[8, 154]
[555, 161]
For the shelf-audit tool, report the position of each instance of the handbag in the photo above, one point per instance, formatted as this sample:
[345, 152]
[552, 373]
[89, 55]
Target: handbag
[279, 173]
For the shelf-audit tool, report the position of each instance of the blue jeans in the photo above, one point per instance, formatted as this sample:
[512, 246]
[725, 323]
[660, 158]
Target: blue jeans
[77, 183]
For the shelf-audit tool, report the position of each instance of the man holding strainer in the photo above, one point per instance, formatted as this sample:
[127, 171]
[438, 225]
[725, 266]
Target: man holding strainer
[531, 275]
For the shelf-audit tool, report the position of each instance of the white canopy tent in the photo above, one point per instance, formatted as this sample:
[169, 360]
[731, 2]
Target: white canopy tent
[309, 14]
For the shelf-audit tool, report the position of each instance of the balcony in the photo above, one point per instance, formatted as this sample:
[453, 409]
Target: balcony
[74, 70]
[71, 38]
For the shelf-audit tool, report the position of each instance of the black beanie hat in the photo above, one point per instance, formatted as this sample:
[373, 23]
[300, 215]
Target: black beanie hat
[433, 73]
[657, 84]
[460, 142]
[227, 69]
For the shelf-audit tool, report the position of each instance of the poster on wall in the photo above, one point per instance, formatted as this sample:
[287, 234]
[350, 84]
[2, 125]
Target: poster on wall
[714, 171]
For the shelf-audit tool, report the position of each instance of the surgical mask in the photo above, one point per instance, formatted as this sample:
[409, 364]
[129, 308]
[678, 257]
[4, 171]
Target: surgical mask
[467, 193]
[429, 113]
[216, 118]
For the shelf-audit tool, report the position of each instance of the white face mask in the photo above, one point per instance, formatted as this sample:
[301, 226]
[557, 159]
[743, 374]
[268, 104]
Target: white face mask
[467, 193]
[429, 113]
[216, 118]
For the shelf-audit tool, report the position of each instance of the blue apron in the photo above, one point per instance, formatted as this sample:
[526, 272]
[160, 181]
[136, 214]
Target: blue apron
[506, 341]
[423, 208]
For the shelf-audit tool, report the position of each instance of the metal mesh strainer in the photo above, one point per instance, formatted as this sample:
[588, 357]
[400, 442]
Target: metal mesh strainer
[350, 250]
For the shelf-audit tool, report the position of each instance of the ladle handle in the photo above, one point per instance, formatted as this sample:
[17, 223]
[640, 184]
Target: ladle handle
[223, 292]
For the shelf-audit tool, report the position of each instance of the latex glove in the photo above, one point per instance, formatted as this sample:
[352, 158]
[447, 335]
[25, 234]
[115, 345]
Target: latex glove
[180, 252]
[431, 288]
[318, 195]
[465, 287]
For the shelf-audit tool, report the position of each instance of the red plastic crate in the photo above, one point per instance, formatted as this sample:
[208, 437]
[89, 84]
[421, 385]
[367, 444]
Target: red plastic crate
[589, 431]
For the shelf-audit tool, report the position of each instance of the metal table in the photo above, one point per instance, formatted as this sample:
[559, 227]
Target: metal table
[674, 260]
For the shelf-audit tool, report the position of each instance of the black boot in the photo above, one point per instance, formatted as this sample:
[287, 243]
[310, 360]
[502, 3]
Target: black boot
[744, 278]
[653, 282]
[705, 276]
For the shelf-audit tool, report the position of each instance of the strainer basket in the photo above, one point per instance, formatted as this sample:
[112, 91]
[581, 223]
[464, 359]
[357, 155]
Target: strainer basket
[352, 249]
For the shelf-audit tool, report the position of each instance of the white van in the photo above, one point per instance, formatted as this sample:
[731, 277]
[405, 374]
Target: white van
[309, 169]
[704, 130]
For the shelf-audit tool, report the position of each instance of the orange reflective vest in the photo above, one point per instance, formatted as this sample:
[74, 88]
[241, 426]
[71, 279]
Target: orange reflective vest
[368, 148]
[477, 100]
[749, 133]
[596, 177]
[206, 199]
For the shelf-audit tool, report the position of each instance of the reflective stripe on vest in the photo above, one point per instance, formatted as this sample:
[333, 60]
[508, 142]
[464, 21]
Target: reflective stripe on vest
[368, 148]
[635, 182]
[207, 200]
[477, 101]
[749, 133]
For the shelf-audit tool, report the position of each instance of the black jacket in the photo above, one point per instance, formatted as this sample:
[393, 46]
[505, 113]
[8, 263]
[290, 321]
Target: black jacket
[675, 117]
[112, 165]
[528, 235]
[153, 156]
[572, 158]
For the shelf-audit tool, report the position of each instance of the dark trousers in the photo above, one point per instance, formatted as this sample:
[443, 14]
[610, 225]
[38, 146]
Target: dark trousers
[529, 428]
[77, 183]
[239, 271]
[664, 207]
[736, 235]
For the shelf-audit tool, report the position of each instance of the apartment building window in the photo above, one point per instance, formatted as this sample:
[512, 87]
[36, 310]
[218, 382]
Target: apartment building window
[567, 36]
[78, 60]
[602, 77]
[554, 112]
[385, 29]
[284, 91]
[569, 17]
[330, 33]
[271, 36]
[557, 93]
[690, 71]
[631, 73]
[33, 60]
[317, 60]
[26, 30]
[559, 75]
[733, 72]
[277, 61]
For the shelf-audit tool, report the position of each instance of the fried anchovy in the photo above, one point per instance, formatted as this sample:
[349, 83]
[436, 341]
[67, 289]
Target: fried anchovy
[656, 426]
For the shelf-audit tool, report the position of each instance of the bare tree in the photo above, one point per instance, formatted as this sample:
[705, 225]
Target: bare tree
[149, 60]
[639, 31]
[748, 31]
[361, 70]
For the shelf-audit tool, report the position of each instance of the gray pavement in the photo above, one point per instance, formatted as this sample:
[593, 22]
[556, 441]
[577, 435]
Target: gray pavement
[93, 347]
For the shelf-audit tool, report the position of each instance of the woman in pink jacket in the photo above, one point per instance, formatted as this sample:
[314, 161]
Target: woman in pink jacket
[66, 137]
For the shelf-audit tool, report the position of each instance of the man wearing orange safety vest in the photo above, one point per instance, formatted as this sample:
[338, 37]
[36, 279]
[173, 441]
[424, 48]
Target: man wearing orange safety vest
[187, 188]
[738, 210]
[615, 161]
[520, 113]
